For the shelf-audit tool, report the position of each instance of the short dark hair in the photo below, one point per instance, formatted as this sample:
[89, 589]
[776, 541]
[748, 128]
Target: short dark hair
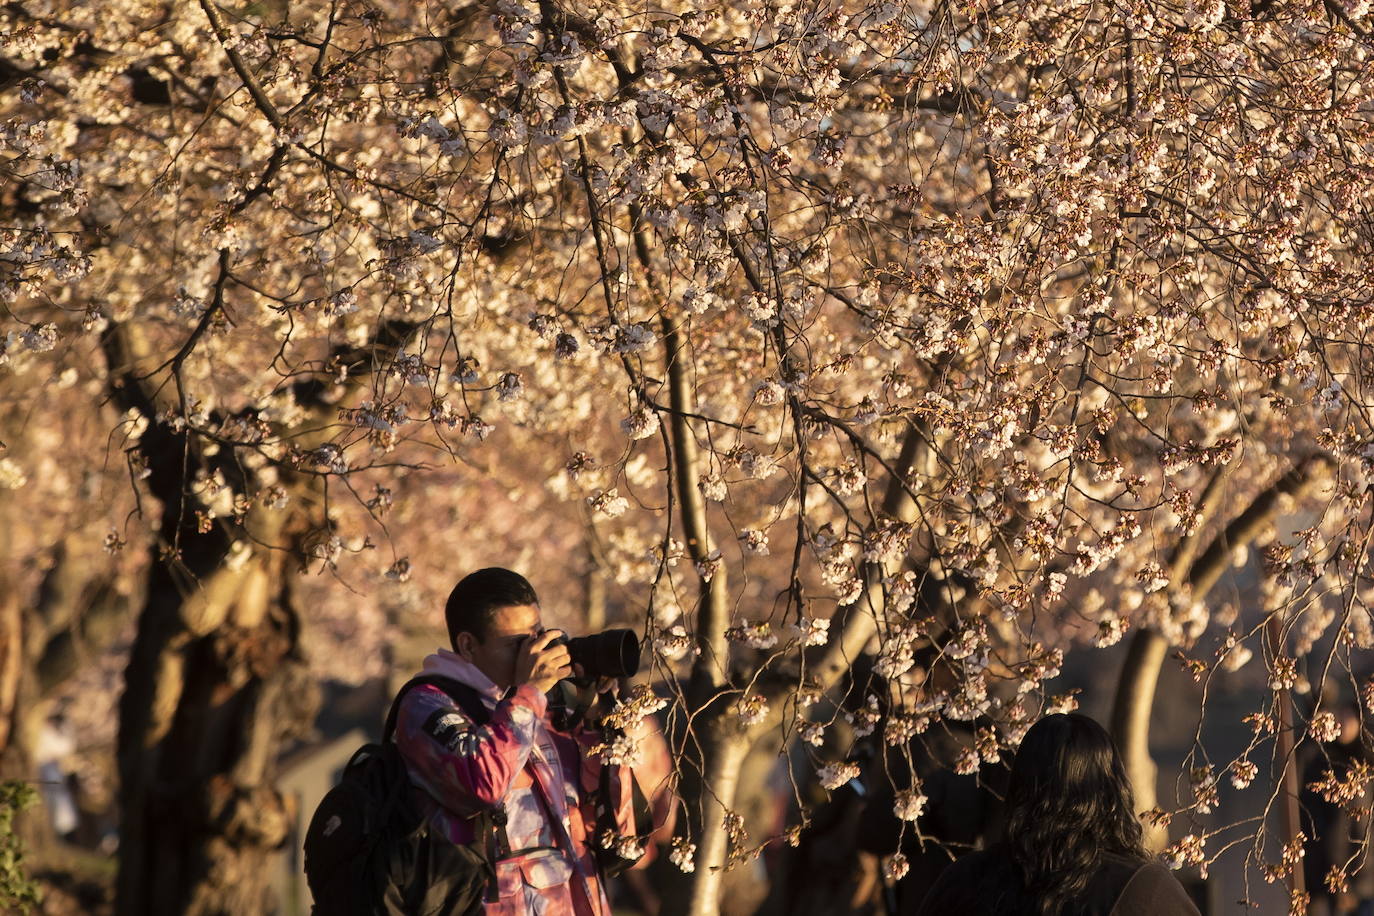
[477, 597]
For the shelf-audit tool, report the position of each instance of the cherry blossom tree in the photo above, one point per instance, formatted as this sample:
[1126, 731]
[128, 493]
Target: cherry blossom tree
[992, 330]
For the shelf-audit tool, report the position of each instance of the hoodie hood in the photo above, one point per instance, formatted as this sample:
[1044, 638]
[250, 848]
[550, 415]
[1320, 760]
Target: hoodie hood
[451, 664]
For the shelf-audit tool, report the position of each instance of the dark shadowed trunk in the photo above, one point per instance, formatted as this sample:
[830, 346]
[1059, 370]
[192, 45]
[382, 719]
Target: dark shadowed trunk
[216, 681]
[11, 661]
[213, 684]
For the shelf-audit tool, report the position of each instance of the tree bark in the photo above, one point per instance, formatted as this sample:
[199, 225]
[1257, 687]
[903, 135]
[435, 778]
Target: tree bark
[11, 662]
[216, 680]
[1135, 694]
[710, 669]
[214, 683]
[74, 614]
[714, 749]
[725, 746]
[201, 721]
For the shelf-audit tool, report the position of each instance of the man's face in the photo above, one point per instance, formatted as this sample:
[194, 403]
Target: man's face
[495, 655]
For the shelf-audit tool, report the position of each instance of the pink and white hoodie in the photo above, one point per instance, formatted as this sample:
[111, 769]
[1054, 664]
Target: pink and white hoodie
[545, 778]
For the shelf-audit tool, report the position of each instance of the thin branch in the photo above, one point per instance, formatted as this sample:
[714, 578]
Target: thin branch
[236, 61]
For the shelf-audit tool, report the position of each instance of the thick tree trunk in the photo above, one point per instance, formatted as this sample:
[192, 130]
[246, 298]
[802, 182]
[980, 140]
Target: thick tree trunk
[214, 684]
[1135, 694]
[216, 681]
[711, 668]
[75, 614]
[11, 662]
[726, 746]
[714, 751]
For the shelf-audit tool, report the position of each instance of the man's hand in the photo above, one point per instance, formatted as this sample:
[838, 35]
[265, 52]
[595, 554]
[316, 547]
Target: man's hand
[540, 664]
[596, 698]
[602, 685]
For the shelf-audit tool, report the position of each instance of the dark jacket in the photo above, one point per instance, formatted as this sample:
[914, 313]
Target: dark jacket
[961, 812]
[1334, 834]
[988, 883]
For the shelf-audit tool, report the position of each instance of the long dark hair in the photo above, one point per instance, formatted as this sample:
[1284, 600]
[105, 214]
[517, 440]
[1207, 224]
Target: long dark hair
[1069, 804]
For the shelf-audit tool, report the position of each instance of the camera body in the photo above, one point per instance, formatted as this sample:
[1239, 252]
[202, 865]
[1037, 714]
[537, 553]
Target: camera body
[610, 653]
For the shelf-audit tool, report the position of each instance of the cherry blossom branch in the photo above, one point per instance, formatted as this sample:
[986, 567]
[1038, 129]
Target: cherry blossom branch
[1253, 522]
[236, 61]
[1140, 671]
[860, 619]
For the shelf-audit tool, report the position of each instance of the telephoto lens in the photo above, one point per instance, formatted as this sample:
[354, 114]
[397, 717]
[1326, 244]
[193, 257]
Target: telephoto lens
[610, 653]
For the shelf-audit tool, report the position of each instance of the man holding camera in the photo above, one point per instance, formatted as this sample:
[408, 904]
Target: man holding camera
[558, 802]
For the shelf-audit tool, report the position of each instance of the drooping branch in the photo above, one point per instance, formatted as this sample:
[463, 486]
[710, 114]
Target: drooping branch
[1140, 672]
[860, 619]
[727, 740]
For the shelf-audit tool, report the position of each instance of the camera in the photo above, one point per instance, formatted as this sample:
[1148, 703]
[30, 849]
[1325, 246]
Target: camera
[610, 653]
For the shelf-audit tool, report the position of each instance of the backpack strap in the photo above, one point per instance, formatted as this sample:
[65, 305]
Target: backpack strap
[490, 823]
[467, 698]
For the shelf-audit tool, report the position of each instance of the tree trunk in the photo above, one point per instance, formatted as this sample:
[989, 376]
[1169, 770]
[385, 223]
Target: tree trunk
[725, 747]
[720, 742]
[859, 621]
[594, 586]
[75, 614]
[1135, 694]
[215, 682]
[1287, 777]
[11, 662]
[202, 718]
[713, 750]
[710, 670]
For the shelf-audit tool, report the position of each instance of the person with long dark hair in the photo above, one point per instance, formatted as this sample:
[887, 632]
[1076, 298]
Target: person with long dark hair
[1072, 844]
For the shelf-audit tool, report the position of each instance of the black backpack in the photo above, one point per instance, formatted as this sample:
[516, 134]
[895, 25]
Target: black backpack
[369, 851]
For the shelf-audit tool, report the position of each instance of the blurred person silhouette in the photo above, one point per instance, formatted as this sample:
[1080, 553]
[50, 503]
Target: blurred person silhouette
[1072, 843]
[1335, 835]
[828, 870]
[960, 813]
[961, 810]
[54, 752]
